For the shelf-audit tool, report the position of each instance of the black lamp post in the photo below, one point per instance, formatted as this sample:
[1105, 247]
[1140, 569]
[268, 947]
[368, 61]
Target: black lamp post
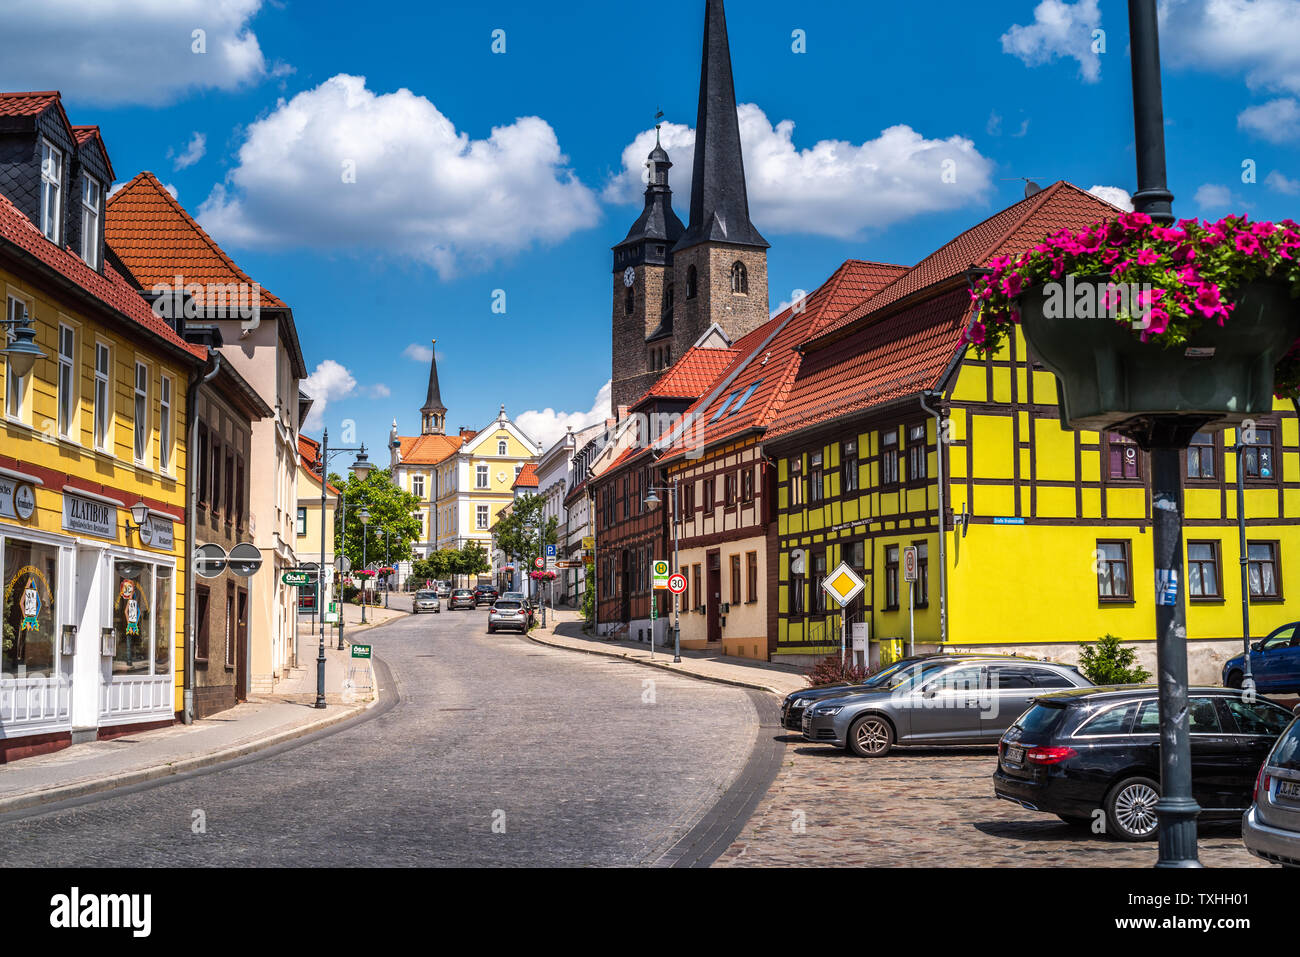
[1166, 437]
[364, 516]
[360, 468]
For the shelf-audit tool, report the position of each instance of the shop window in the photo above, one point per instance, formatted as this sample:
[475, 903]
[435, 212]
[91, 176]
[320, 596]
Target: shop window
[31, 585]
[133, 618]
[163, 620]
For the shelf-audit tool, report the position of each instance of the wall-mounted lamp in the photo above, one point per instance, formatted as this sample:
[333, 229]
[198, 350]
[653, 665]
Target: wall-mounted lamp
[22, 353]
[140, 515]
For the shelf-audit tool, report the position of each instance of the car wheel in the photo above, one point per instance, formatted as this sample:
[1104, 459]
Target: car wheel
[1131, 809]
[1082, 823]
[871, 737]
[491, 630]
[1234, 679]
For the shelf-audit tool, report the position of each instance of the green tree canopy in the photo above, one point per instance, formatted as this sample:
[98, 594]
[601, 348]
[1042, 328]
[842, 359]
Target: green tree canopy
[390, 509]
[524, 534]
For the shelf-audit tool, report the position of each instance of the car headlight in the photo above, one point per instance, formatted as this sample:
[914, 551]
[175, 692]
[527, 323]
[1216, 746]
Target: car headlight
[829, 710]
[801, 703]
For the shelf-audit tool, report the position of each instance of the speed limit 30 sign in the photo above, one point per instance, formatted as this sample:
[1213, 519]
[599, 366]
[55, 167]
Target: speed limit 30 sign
[677, 583]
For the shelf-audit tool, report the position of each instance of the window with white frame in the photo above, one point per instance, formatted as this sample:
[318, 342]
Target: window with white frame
[103, 395]
[15, 385]
[90, 201]
[417, 486]
[67, 378]
[165, 425]
[141, 411]
[51, 191]
[481, 517]
[501, 447]
[481, 477]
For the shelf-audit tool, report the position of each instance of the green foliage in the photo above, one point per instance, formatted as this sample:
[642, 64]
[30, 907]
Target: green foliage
[390, 509]
[1107, 663]
[523, 534]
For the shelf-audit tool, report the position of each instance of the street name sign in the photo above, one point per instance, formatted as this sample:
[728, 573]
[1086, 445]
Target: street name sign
[843, 585]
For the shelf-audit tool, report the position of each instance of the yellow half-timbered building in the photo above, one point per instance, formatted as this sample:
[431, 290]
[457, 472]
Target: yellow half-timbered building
[1030, 538]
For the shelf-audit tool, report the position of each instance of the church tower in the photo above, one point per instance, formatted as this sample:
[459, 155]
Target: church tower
[671, 283]
[720, 262]
[643, 288]
[433, 414]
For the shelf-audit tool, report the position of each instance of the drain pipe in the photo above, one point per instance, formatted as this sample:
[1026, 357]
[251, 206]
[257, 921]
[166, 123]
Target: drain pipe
[192, 427]
[943, 530]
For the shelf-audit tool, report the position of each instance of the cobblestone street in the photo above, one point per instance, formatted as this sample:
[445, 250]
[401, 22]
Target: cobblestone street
[928, 807]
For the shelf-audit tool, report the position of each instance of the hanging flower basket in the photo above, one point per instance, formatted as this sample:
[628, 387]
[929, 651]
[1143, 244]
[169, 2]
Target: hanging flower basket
[364, 573]
[1141, 322]
[542, 576]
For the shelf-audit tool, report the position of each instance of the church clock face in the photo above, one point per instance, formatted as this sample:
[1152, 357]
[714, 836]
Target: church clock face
[629, 276]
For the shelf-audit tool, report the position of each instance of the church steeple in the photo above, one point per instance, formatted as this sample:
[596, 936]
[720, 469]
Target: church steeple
[433, 414]
[719, 203]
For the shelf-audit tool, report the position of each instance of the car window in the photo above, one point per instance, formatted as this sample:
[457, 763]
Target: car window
[967, 678]
[913, 675]
[507, 605]
[1202, 717]
[1042, 718]
[1009, 677]
[1115, 720]
[1286, 754]
[1280, 638]
[1043, 678]
[1261, 717]
[425, 594]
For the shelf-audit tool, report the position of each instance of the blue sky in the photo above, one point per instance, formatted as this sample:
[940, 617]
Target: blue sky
[477, 171]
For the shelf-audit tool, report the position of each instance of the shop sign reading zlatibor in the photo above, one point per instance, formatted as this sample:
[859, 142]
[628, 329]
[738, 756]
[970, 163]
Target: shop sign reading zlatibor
[89, 517]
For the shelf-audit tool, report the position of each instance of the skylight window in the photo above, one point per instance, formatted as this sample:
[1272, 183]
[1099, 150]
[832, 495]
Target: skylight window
[723, 409]
[744, 398]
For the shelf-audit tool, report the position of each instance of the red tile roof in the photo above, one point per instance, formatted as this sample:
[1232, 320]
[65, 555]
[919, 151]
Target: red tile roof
[770, 362]
[527, 477]
[309, 452]
[428, 449]
[110, 287]
[32, 103]
[1011, 231]
[158, 240]
[691, 375]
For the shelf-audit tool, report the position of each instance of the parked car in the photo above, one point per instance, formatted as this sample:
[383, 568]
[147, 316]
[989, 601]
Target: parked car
[443, 590]
[524, 600]
[1274, 662]
[943, 700]
[485, 594]
[426, 601]
[507, 614]
[461, 598]
[1076, 751]
[1271, 827]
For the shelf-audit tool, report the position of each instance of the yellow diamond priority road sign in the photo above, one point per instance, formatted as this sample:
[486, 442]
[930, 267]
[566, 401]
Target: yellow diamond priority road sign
[843, 585]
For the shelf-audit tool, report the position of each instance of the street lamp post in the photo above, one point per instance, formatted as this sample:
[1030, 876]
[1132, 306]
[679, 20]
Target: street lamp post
[364, 516]
[360, 468]
[386, 566]
[653, 500]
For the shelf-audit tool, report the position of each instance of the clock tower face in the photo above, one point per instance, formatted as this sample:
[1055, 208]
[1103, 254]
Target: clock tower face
[629, 276]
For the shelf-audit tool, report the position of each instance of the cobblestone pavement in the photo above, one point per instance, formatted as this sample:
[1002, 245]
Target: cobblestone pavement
[925, 808]
[576, 759]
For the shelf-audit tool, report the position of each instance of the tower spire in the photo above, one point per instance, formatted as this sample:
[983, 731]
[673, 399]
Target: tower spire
[433, 414]
[719, 203]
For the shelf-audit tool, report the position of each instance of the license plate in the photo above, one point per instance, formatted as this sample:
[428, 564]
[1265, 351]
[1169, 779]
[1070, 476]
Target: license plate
[1014, 756]
[1289, 790]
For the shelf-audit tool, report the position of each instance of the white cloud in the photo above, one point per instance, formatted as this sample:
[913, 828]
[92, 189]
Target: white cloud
[1282, 183]
[1213, 196]
[198, 145]
[1059, 29]
[343, 167]
[330, 381]
[130, 51]
[834, 188]
[1255, 37]
[1115, 196]
[418, 352]
[378, 391]
[548, 426]
[1277, 121]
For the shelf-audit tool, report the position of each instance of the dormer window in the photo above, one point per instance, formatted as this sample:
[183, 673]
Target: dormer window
[51, 191]
[91, 197]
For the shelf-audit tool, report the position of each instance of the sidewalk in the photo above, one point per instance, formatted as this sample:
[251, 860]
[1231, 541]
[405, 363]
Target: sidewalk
[564, 630]
[259, 723]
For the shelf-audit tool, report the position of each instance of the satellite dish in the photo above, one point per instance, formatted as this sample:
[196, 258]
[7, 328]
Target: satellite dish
[245, 560]
[1031, 188]
[209, 561]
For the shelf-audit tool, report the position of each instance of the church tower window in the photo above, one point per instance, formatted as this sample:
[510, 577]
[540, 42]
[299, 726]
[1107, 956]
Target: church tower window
[691, 282]
[739, 279]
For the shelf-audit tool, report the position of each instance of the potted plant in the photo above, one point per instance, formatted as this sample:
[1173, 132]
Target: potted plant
[1127, 314]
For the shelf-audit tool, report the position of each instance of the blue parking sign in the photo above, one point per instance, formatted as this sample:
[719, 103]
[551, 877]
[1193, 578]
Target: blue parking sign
[550, 551]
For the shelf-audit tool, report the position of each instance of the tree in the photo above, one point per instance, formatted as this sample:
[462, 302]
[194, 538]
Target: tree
[390, 509]
[472, 560]
[523, 534]
[1106, 663]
